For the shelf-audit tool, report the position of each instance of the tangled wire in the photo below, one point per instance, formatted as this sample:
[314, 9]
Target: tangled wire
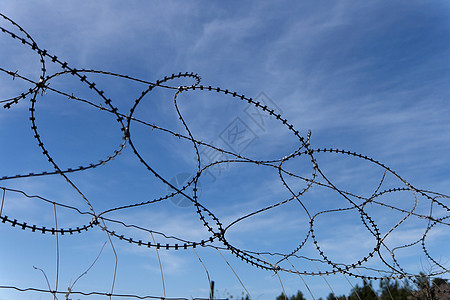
[216, 229]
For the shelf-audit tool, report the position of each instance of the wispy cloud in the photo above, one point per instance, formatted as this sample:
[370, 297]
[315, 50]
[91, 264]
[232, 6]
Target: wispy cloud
[368, 78]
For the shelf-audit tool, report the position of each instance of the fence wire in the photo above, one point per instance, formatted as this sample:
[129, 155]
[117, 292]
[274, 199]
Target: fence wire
[292, 262]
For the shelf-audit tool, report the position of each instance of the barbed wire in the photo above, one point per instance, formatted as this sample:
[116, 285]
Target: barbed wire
[212, 224]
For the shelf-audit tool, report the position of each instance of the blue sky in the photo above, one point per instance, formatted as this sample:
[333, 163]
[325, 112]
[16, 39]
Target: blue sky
[365, 77]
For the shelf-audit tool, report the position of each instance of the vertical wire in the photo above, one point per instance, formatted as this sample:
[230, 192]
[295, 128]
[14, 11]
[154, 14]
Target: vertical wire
[370, 285]
[364, 280]
[57, 251]
[46, 280]
[279, 278]
[116, 259]
[207, 273]
[160, 265]
[87, 270]
[3, 200]
[405, 284]
[356, 292]
[334, 294]
[387, 285]
[304, 282]
[235, 274]
[282, 286]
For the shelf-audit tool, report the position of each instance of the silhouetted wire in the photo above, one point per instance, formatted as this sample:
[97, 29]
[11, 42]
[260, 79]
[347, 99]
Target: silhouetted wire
[216, 230]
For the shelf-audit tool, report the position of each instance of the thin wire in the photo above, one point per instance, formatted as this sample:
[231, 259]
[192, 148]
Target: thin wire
[370, 285]
[3, 200]
[99, 293]
[240, 281]
[116, 259]
[214, 225]
[279, 278]
[160, 266]
[89, 268]
[57, 250]
[387, 287]
[282, 286]
[204, 267]
[46, 279]
[353, 288]
[324, 279]
[301, 277]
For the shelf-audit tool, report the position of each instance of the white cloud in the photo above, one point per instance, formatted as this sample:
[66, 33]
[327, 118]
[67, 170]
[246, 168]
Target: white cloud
[320, 65]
